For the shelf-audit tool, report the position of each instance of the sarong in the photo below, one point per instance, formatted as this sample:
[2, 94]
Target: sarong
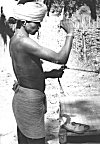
[28, 107]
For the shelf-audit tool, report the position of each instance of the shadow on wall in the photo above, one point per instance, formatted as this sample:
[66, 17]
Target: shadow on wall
[89, 109]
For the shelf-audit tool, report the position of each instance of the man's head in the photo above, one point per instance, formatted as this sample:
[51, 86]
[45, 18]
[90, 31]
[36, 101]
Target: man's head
[31, 13]
[32, 27]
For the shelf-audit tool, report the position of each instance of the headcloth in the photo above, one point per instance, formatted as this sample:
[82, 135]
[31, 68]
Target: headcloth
[30, 11]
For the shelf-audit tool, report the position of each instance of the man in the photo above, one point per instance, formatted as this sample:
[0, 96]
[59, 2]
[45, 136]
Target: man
[29, 99]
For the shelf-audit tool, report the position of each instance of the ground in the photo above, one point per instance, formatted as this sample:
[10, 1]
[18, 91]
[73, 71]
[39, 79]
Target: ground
[80, 93]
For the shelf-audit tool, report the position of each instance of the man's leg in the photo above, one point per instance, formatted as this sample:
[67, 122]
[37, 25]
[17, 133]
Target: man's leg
[25, 140]
[21, 138]
[36, 141]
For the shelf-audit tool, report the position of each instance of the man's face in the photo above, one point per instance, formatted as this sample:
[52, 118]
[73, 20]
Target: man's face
[33, 27]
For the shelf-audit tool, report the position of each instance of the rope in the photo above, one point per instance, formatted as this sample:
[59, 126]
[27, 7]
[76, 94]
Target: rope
[83, 70]
[62, 93]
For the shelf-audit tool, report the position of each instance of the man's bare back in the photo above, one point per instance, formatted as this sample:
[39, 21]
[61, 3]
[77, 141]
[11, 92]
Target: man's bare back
[28, 69]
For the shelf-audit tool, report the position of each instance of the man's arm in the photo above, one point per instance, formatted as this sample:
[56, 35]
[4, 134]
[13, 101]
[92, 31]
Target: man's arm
[61, 57]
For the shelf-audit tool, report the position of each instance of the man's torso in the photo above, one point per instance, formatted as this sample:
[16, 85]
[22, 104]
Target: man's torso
[27, 68]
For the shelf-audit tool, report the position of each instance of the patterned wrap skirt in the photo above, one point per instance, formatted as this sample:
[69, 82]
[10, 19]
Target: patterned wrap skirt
[29, 109]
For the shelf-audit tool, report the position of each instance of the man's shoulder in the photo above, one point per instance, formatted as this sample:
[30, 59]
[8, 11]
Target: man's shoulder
[21, 41]
[27, 41]
[30, 44]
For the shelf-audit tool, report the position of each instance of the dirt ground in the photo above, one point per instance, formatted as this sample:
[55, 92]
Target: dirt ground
[76, 85]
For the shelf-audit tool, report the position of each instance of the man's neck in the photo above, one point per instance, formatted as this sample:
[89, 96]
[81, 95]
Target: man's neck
[22, 32]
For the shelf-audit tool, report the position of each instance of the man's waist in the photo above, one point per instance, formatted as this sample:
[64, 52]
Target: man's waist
[28, 86]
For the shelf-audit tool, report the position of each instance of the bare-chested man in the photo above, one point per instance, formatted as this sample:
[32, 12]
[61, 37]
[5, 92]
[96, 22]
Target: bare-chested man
[29, 99]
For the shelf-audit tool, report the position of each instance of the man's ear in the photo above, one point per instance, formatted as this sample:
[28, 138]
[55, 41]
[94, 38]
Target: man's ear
[24, 23]
[64, 17]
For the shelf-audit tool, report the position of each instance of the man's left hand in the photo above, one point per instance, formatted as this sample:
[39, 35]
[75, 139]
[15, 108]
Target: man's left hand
[56, 73]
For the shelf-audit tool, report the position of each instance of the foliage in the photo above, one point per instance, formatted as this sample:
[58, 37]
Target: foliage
[84, 9]
[2, 26]
[71, 6]
[5, 27]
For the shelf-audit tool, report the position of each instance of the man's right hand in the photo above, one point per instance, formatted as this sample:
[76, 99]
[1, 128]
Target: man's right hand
[67, 25]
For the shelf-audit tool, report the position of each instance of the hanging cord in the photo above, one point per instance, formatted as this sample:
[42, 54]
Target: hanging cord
[68, 119]
[61, 88]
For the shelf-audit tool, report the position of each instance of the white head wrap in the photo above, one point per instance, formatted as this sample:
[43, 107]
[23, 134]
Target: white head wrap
[30, 11]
